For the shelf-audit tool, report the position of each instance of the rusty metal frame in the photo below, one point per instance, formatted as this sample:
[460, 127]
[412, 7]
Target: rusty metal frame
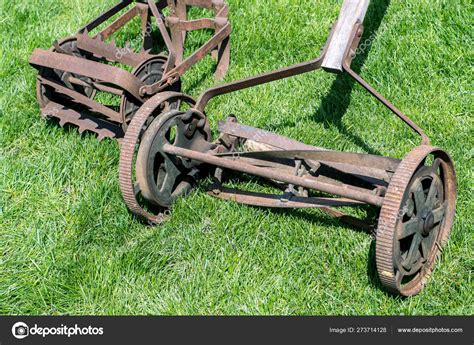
[378, 171]
[277, 175]
[360, 178]
[415, 218]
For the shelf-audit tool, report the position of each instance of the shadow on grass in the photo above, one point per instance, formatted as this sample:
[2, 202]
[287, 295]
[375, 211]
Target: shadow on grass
[327, 219]
[371, 215]
[373, 276]
[337, 101]
[366, 225]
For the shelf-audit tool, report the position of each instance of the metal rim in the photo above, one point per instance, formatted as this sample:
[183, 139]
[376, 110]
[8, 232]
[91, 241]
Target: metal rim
[128, 186]
[415, 220]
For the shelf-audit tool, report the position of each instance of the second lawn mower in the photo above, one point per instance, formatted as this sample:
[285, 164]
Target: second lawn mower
[79, 75]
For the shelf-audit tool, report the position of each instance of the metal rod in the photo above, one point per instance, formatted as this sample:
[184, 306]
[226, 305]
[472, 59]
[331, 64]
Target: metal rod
[173, 75]
[256, 80]
[263, 78]
[106, 15]
[118, 23]
[162, 27]
[279, 201]
[274, 175]
[424, 138]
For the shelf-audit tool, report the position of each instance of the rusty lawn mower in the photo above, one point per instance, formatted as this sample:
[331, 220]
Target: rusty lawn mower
[76, 69]
[166, 150]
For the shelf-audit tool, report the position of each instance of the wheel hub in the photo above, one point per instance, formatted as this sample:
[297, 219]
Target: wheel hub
[163, 177]
[428, 223]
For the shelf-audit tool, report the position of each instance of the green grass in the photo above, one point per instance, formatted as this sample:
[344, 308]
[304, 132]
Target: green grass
[69, 246]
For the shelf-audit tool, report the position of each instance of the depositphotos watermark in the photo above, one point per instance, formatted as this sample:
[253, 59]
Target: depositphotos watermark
[21, 330]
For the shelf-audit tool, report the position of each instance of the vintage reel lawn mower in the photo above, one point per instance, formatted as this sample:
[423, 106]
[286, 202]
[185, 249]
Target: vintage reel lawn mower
[167, 149]
[77, 69]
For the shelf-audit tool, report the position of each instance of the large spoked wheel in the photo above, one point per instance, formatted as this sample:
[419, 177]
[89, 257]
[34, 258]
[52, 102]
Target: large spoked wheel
[163, 177]
[149, 72]
[132, 184]
[415, 220]
[45, 93]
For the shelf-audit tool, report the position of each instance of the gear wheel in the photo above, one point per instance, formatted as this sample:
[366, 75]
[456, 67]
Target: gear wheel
[415, 220]
[154, 107]
[162, 177]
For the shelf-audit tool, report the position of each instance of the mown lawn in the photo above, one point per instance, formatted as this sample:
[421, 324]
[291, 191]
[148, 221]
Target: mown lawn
[69, 246]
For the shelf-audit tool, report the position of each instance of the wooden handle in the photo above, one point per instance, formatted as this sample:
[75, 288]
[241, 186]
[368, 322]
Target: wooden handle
[351, 12]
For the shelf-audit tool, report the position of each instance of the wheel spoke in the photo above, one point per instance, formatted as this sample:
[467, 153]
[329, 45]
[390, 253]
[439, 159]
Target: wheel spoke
[410, 207]
[419, 196]
[66, 80]
[177, 104]
[413, 253]
[438, 214]
[409, 228]
[426, 244]
[399, 277]
[171, 173]
[436, 164]
[431, 198]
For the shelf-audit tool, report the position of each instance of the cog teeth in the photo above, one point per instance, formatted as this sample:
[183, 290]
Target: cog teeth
[83, 122]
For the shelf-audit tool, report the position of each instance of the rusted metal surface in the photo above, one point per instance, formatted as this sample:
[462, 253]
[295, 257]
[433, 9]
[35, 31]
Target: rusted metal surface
[73, 72]
[110, 51]
[346, 67]
[104, 129]
[128, 186]
[237, 165]
[275, 141]
[282, 201]
[415, 220]
[279, 201]
[264, 78]
[174, 148]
